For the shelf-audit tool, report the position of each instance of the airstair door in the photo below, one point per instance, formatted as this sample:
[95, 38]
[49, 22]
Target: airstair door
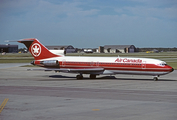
[143, 65]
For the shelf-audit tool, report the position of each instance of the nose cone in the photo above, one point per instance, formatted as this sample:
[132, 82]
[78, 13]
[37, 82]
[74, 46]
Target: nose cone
[172, 69]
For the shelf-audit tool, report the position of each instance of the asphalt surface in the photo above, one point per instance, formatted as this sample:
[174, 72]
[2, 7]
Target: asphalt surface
[39, 95]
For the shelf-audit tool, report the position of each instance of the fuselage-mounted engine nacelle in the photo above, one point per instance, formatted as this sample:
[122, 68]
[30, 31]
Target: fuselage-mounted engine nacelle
[46, 63]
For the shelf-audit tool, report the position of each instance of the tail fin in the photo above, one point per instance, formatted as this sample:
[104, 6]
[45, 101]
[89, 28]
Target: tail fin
[38, 50]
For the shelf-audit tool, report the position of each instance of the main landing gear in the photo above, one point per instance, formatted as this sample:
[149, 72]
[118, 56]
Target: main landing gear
[92, 76]
[79, 77]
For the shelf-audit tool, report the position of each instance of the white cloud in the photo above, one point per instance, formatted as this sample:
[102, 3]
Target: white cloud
[141, 11]
[45, 11]
[166, 9]
[71, 23]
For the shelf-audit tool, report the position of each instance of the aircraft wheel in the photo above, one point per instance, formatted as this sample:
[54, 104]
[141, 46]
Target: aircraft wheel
[155, 78]
[92, 76]
[79, 77]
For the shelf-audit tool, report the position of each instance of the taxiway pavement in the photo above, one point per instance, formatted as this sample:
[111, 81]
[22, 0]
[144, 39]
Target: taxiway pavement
[43, 95]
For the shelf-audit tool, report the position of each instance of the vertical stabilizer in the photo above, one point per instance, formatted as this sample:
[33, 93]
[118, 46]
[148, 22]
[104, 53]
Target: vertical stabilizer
[38, 50]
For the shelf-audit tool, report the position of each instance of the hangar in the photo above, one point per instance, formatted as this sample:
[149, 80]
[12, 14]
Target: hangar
[120, 48]
[66, 48]
[9, 48]
[101, 49]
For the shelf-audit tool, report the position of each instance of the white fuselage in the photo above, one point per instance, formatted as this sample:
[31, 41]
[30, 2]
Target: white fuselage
[115, 65]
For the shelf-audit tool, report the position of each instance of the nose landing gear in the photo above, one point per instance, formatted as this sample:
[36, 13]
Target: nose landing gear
[156, 78]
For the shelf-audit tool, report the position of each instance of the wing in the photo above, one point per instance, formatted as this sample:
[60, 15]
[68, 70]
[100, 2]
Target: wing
[83, 71]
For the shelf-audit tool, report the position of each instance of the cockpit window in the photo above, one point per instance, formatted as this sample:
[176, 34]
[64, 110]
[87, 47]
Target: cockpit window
[163, 64]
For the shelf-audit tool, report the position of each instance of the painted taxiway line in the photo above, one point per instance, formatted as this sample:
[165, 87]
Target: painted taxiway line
[3, 104]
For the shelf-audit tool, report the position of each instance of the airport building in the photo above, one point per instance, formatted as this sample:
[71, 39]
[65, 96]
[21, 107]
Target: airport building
[101, 49]
[119, 49]
[66, 48]
[8, 48]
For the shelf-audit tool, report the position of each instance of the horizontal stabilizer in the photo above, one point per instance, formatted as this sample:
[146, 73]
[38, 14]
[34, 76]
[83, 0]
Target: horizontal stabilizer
[20, 40]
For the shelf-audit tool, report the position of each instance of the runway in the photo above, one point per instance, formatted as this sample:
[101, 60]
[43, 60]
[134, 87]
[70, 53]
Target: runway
[43, 95]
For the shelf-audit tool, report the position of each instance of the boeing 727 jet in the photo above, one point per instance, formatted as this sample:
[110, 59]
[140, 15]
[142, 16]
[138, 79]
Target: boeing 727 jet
[94, 65]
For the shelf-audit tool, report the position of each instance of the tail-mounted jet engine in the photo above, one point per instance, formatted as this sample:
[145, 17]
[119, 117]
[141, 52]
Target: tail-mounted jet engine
[50, 63]
[46, 63]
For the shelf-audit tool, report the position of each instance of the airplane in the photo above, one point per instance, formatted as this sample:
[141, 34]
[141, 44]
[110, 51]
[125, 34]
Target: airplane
[93, 65]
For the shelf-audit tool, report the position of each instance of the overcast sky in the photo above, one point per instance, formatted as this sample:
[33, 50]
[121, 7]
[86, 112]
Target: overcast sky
[90, 23]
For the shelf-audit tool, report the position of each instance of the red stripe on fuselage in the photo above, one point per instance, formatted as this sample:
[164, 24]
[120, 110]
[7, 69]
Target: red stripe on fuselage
[116, 66]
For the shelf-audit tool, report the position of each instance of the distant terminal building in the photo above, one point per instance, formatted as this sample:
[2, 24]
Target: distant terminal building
[9, 48]
[101, 49]
[66, 48]
[119, 48]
